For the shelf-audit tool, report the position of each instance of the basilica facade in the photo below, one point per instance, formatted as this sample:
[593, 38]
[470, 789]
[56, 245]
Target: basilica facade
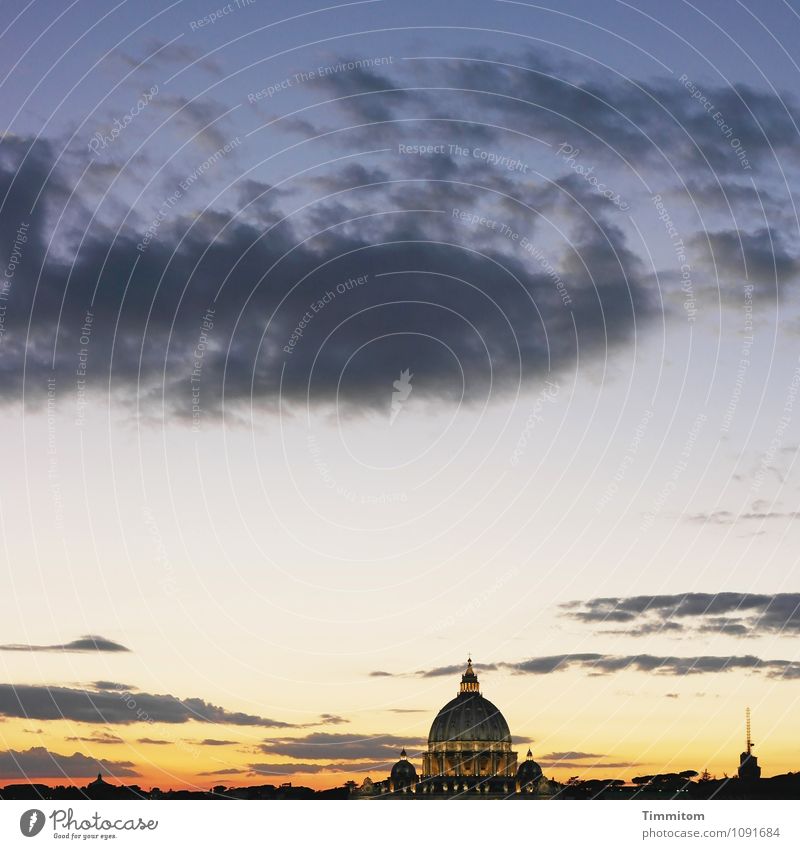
[469, 755]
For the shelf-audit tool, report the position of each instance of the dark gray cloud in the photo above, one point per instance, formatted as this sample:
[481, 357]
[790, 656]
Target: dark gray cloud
[38, 762]
[581, 766]
[117, 708]
[655, 122]
[149, 741]
[570, 756]
[112, 685]
[596, 664]
[737, 614]
[331, 719]
[455, 669]
[88, 643]
[760, 257]
[314, 769]
[227, 771]
[104, 737]
[323, 745]
[428, 276]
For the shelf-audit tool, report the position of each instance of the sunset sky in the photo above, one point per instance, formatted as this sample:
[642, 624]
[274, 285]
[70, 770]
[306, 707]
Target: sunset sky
[227, 231]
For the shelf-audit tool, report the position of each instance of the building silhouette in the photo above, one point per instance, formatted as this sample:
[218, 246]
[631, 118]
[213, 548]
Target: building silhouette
[749, 770]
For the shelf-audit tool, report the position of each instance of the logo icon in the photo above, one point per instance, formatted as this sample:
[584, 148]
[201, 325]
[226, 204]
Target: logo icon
[402, 389]
[31, 822]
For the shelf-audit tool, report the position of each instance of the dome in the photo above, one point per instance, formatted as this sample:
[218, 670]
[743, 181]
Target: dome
[469, 717]
[403, 771]
[529, 771]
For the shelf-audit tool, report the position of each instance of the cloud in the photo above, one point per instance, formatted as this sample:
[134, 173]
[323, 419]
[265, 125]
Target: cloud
[112, 685]
[325, 746]
[38, 762]
[314, 769]
[104, 737]
[736, 614]
[210, 742]
[581, 766]
[757, 257]
[87, 643]
[43, 703]
[570, 756]
[726, 517]
[331, 719]
[427, 273]
[228, 771]
[159, 54]
[496, 314]
[535, 92]
[149, 741]
[596, 664]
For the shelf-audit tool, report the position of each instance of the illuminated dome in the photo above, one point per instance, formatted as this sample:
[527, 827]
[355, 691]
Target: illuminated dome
[469, 717]
[469, 736]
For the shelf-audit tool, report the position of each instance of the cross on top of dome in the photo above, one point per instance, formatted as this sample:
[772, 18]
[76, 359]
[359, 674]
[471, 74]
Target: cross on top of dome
[469, 680]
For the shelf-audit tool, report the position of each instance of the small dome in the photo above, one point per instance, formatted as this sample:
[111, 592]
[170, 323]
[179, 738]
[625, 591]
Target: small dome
[403, 771]
[529, 771]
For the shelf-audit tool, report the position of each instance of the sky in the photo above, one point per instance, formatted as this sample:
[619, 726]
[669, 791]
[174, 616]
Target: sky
[338, 343]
